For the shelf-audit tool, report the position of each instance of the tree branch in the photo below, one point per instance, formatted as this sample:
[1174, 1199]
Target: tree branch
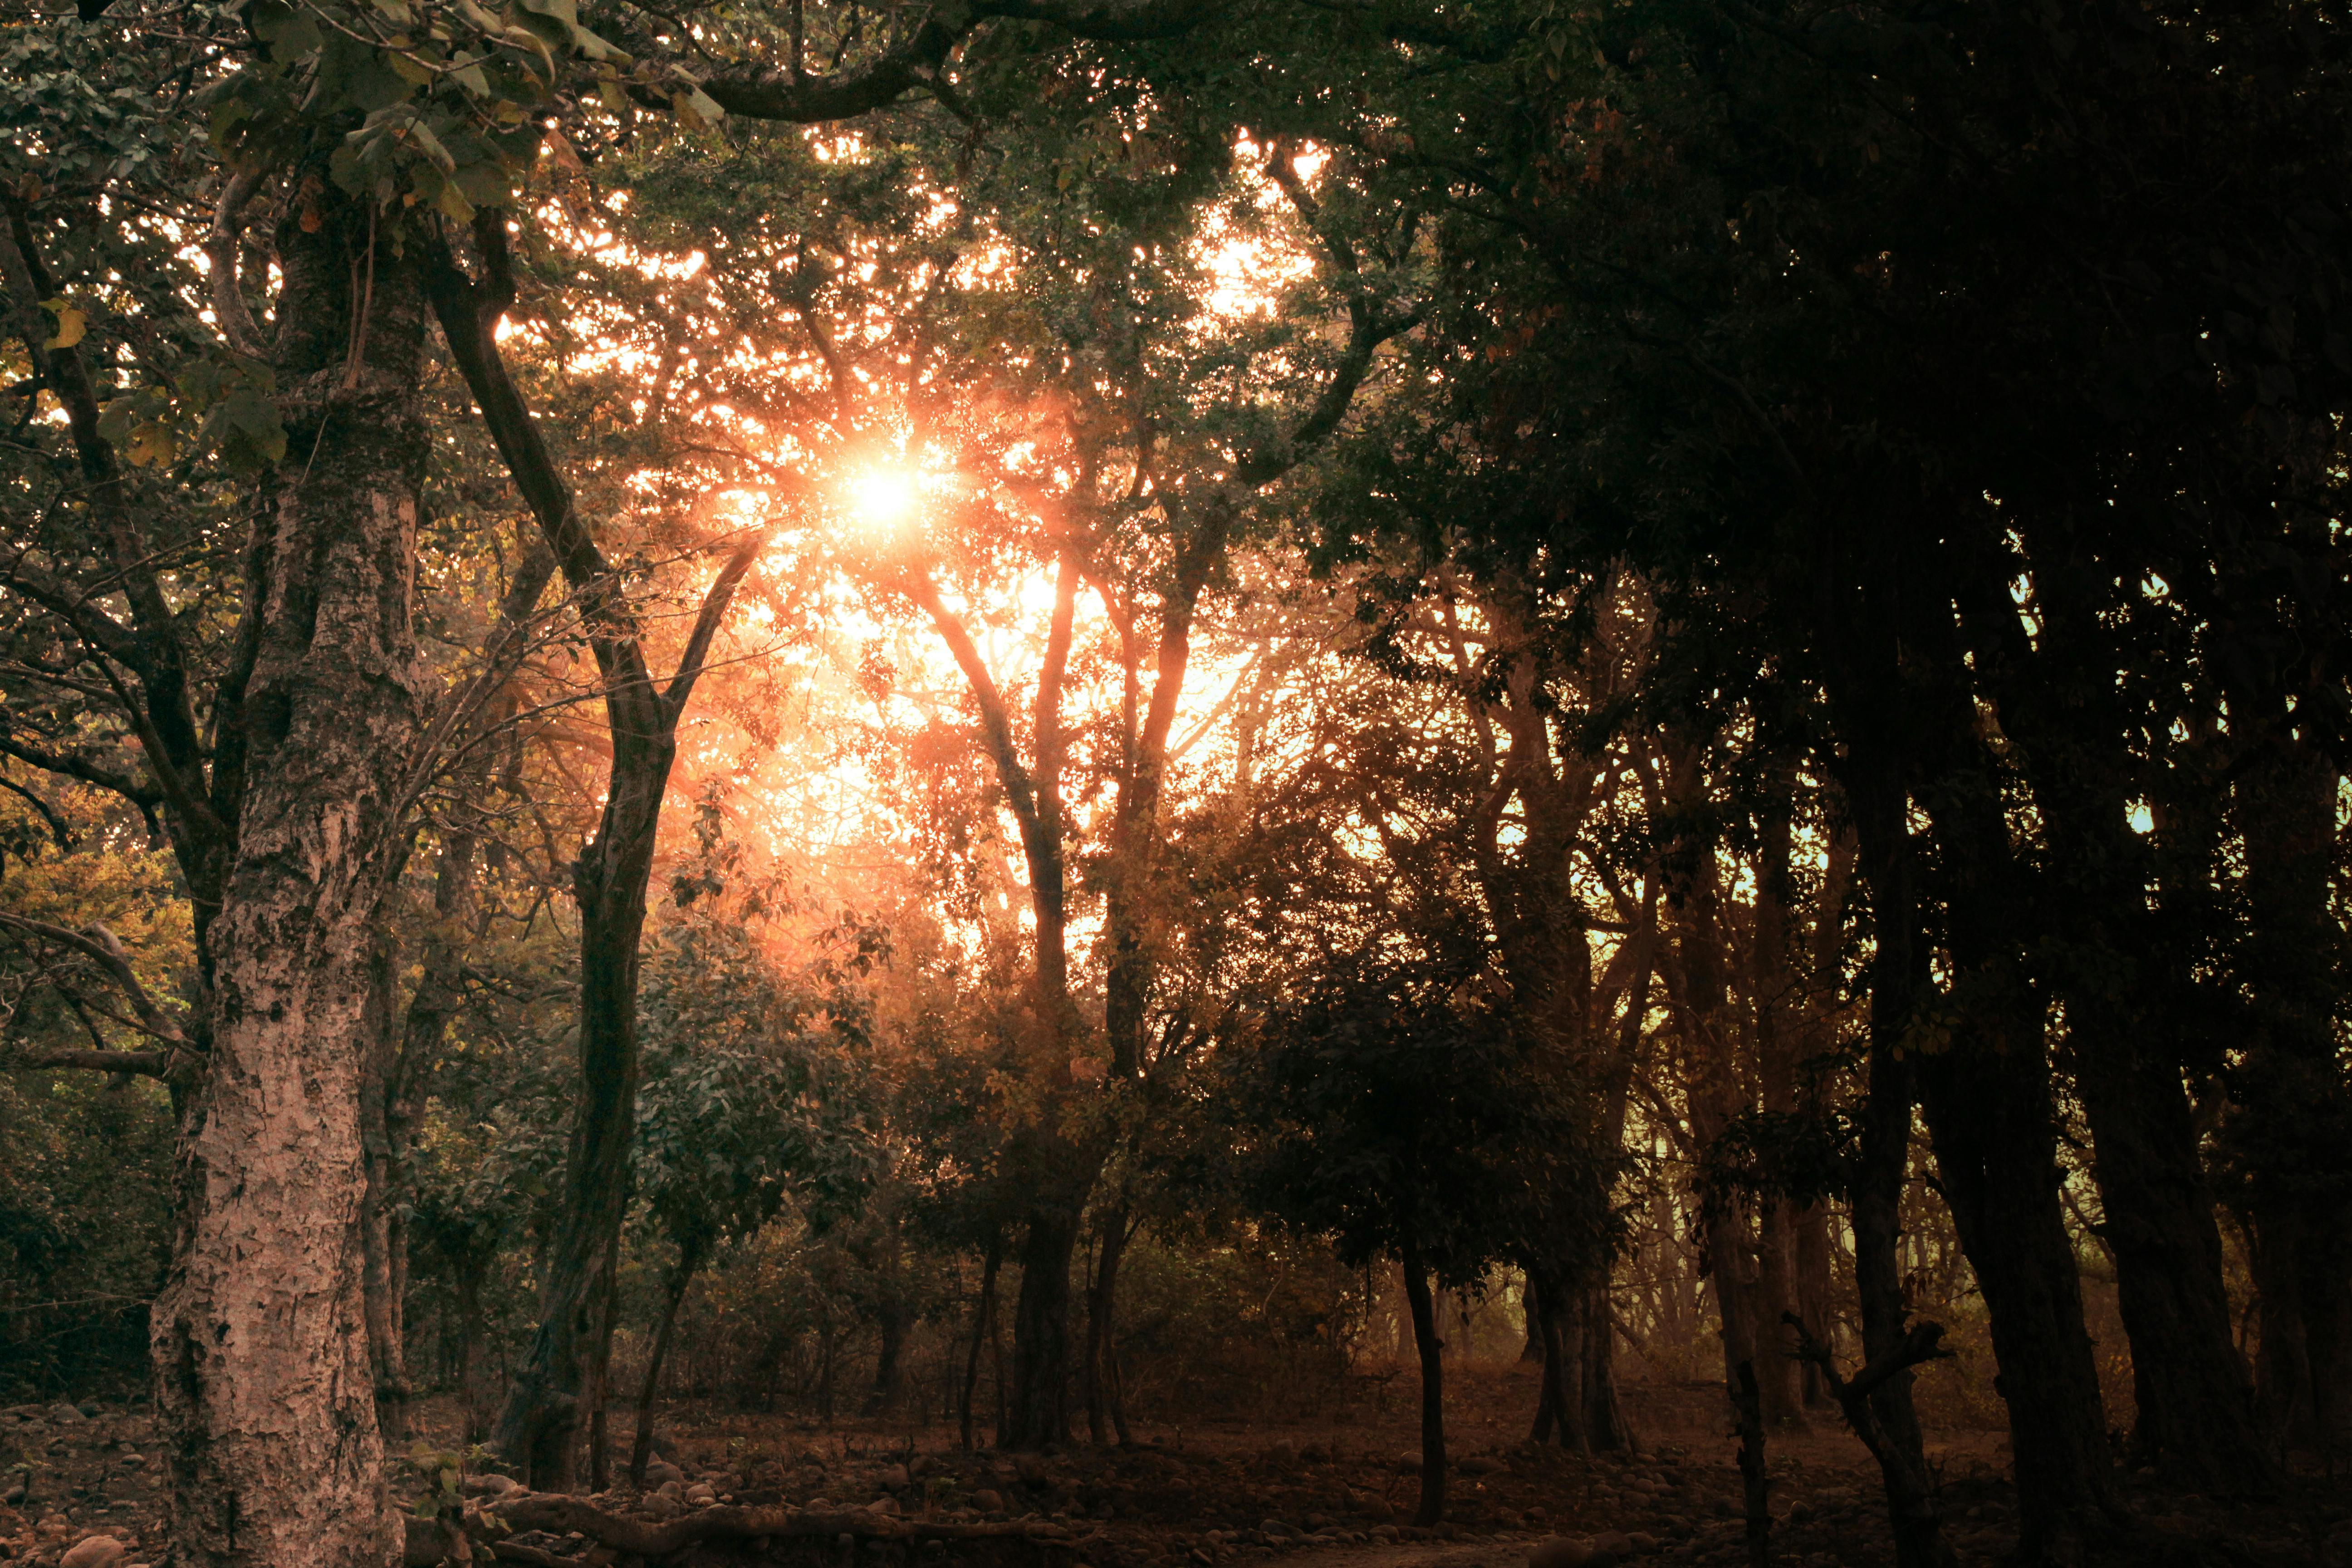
[995, 723]
[57, 829]
[221, 241]
[99, 945]
[706, 624]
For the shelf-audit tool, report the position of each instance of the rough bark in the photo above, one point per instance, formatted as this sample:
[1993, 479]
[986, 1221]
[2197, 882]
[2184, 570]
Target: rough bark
[383, 1239]
[265, 1389]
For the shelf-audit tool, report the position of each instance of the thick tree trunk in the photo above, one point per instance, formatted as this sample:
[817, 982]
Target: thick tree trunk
[1991, 1119]
[2328, 1340]
[2122, 1027]
[2289, 1134]
[1559, 1395]
[1605, 1427]
[1038, 1412]
[2197, 1417]
[383, 1242]
[264, 1388]
[1102, 1304]
[1431, 1349]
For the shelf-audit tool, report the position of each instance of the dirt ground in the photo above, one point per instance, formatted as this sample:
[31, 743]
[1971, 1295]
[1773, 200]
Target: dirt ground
[1326, 1492]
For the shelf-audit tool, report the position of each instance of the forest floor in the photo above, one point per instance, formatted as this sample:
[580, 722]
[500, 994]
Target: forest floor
[1323, 1490]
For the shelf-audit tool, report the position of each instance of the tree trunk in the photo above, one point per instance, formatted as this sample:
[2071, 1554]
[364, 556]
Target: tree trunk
[383, 1237]
[1772, 983]
[983, 1325]
[2327, 1341]
[2287, 1132]
[264, 1388]
[1559, 1397]
[1039, 1408]
[1605, 1427]
[1811, 1223]
[1991, 1117]
[539, 1428]
[2120, 984]
[889, 1360]
[2198, 1415]
[1432, 1352]
[1896, 973]
[1102, 1302]
[1755, 1487]
[1994, 1135]
[642, 1450]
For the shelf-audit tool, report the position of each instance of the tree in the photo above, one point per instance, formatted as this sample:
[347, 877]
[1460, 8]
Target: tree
[1405, 1114]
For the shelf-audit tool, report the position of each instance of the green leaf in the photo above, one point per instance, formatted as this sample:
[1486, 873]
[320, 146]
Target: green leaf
[409, 68]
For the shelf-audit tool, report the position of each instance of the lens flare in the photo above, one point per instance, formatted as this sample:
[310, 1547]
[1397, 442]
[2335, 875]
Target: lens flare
[882, 496]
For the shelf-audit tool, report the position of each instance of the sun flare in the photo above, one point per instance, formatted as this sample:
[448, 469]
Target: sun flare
[882, 496]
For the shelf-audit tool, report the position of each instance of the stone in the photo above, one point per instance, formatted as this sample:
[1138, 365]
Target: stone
[66, 1416]
[133, 1461]
[93, 1551]
[662, 1470]
[1566, 1552]
[661, 1508]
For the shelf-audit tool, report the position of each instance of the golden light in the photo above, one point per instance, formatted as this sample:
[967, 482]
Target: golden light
[882, 496]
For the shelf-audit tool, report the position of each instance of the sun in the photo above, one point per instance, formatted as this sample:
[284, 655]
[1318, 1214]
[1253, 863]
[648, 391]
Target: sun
[882, 496]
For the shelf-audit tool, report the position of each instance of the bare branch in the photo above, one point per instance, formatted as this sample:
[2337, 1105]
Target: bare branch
[706, 624]
[220, 251]
[100, 946]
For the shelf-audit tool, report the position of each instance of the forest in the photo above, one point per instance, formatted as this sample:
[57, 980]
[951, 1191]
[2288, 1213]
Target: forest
[1152, 783]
